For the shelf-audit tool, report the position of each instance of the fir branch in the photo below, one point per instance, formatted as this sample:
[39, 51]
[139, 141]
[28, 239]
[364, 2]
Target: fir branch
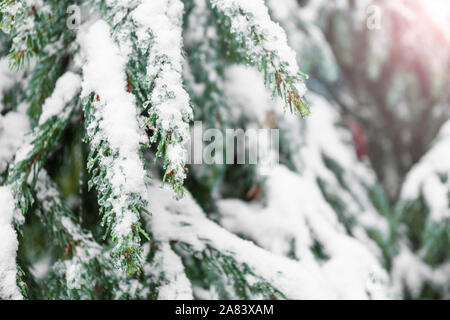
[32, 156]
[156, 48]
[116, 168]
[169, 109]
[50, 66]
[29, 28]
[86, 270]
[33, 39]
[252, 37]
[203, 244]
[223, 272]
[58, 220]
[124, 31]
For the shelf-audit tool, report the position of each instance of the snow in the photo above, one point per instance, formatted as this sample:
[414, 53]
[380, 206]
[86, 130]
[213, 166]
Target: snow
[104, 74]
[175, 285]
[8, 247]
[10, 11]
[309, 140]
[305, 36]
[162, 19]
[293, 212]
[348, 274]
[204, 72]
[7, 77]
[184, 221]
[259, 16]
[24, 23]
[13, 127]
[40, 268]
[73, 272]
[409, 271]
[76, 272]
[250, 17]
[425, 177]
[293, 215]
[65, 89]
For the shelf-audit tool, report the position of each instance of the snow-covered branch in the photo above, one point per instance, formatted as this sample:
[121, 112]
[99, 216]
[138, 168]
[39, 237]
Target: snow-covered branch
[37, 146]
[159, 22]
[260, 42]
[114, 136]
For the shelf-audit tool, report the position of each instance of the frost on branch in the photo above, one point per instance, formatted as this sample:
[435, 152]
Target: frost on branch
[67, 86]
[169, 107]
[207, 251]
[9, 9]
[258, 41]
[27, 22]
[297, 222]
[149, 33]
[74, 274]
[14, 126]
[114, 137]
[211, 252]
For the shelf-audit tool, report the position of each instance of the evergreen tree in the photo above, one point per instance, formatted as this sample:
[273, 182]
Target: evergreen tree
[99, 201]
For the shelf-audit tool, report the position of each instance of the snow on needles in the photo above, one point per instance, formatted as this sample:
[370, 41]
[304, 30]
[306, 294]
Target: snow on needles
[170, 110]
[430, 177]
[176, 285]
[185, 221]
[8, 247]
[256, 9]
[13, 127]
[104, 74]
[308, 41]
[250, 18]
[65, 89]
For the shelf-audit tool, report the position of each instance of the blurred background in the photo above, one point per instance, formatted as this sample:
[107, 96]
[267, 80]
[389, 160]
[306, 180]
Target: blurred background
[384, 65]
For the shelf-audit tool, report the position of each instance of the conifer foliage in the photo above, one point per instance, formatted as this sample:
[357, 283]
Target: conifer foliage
[100, 201]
